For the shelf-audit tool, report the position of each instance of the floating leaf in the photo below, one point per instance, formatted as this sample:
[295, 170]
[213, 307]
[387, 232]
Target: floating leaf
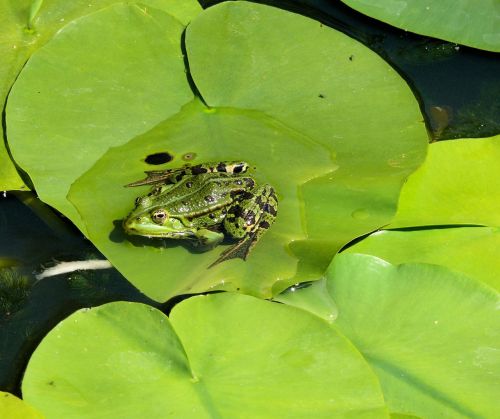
[211, 358]
[474, 251]
[211, 135]
[457, 184]
[13, 57]
[430, 334]
[337, 113]
[22, 35]
[332, 89]
[99, 82]
[470, 23]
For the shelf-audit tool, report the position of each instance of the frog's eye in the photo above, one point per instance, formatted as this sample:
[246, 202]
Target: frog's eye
[159, 216]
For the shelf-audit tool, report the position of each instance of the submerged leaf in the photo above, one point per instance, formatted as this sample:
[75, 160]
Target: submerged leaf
[473, 23]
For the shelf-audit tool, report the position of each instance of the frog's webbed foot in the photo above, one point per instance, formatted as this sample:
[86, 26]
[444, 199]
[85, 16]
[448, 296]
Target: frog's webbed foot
[239, 250]
[175, 175]
[153, 177]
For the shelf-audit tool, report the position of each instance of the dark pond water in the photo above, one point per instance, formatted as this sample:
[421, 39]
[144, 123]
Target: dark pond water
[459, 91]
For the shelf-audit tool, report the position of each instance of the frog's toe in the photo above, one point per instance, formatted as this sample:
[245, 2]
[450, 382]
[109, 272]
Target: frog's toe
[239, 250]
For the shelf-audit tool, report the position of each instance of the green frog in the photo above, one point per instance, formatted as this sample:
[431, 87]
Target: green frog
[201, 203]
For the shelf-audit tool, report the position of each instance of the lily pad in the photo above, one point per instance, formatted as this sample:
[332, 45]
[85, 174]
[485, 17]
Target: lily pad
[210, 134]
[13, 58]
[209, 359]
[473, 23]
[327, 92]
[327, 86]
[24, 28]
[430, 334]
[13, 408]
[94, 85]
[474, 251]
[457, 184]
[336, 114]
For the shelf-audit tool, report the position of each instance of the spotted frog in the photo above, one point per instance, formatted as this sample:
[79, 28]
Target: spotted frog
[202, 203]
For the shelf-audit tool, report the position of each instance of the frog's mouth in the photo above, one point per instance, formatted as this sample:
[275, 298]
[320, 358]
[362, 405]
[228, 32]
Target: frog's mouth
[143, 226]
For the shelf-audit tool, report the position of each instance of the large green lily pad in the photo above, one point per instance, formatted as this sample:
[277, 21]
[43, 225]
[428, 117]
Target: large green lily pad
[170, 268]
[296, 148]
[212, 358]
[94, 85]
[330, 88]
[327, 102]
[472, 23]
[26, 25]
[474, 251]
[430, 334]
[457, 184]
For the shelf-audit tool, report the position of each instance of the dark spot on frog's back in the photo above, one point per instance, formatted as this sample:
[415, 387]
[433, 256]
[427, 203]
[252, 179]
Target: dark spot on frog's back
[198, 170]
[234, 211]
[238, 168]
[221, 167]
[209, 199]
[249, 182]
[269, 209]
[158, 158]
[264, 224]
[154, 192]
[250, 218]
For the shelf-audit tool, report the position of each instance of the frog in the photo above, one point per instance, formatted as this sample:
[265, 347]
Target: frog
[204, 204]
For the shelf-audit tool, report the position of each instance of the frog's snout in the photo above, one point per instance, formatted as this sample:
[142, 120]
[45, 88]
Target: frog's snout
[130, 224]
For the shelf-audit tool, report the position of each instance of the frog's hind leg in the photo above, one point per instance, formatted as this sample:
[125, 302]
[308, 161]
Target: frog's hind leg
[248, 219]
[176, 174]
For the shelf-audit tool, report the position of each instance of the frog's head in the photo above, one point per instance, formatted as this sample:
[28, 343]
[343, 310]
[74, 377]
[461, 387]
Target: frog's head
[155, 223]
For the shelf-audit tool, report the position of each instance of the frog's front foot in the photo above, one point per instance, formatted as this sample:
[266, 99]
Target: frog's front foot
[207, 239]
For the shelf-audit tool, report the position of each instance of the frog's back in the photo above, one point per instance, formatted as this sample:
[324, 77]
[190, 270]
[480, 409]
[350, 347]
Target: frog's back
[201, 194]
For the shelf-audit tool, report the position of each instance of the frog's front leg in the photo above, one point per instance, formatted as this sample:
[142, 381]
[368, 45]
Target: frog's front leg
[208, 238]
[248, 219]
